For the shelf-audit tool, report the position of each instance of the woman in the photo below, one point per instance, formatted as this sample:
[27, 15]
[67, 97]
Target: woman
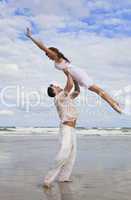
[78, 74]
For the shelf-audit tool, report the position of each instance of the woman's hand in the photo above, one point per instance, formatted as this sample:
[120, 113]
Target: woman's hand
[28, 33]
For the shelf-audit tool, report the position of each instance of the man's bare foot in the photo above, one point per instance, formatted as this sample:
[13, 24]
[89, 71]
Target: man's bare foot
[47, 185]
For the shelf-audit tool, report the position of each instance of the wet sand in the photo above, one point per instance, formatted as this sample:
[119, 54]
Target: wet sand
[102, 170]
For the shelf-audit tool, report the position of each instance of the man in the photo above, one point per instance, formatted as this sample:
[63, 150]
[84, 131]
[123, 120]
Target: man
[63, 99]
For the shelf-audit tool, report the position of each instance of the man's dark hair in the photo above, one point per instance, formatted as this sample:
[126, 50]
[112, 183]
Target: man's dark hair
[50, 92]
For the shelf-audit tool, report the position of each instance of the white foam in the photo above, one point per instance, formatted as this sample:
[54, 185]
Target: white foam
[55, 131]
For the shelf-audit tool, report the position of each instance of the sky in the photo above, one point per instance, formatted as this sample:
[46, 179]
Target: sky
[93, 34]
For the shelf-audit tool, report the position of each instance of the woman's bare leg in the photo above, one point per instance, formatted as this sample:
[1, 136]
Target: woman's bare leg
[104, 95]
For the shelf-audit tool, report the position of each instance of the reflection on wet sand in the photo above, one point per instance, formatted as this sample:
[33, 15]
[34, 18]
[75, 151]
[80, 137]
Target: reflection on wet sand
[102, 170]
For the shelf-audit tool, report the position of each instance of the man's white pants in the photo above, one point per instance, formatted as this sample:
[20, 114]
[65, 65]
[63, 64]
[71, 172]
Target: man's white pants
[66, 156]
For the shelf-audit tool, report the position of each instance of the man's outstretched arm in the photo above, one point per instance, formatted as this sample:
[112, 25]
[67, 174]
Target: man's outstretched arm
[76, 91]
[69, 83]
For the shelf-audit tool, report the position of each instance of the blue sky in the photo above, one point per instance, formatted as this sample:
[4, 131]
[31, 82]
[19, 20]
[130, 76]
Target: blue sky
[109, 20]
[95, 35]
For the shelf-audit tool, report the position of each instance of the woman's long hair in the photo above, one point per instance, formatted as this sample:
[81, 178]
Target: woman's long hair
[59, 54]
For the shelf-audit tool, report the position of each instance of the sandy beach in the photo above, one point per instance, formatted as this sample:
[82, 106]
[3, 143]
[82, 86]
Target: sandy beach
[102, 170]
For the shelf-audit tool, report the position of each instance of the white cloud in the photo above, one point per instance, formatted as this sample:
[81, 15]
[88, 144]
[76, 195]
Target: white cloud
[5, 10]
[57, 7]
[113, 21]
[8, 68]
[99, 4]
[49, 21]
[6, 112]
[12, 26]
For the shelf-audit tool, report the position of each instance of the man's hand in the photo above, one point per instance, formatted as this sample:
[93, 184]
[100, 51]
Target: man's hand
[66, 71]
[76, 91]
[28, 33]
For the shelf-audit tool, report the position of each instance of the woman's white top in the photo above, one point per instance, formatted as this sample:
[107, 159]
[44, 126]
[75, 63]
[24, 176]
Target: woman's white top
[78, 74]
[65, 107]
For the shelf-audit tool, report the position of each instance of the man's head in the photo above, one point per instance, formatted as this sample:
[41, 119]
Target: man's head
[53, 90]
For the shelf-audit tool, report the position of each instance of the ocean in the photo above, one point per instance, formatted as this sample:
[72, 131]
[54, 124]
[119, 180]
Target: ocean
[49, 131]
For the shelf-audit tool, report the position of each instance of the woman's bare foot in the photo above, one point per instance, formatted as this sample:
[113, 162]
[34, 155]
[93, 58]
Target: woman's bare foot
[117, 108]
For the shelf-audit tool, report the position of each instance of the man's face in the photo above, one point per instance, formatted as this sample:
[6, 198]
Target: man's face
[55, 88]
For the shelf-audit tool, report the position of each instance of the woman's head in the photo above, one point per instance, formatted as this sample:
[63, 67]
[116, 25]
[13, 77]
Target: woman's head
[58, 53]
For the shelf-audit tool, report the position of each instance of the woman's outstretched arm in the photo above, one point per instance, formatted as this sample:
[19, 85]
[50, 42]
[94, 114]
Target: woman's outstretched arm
[40, 44]
[104, 95]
